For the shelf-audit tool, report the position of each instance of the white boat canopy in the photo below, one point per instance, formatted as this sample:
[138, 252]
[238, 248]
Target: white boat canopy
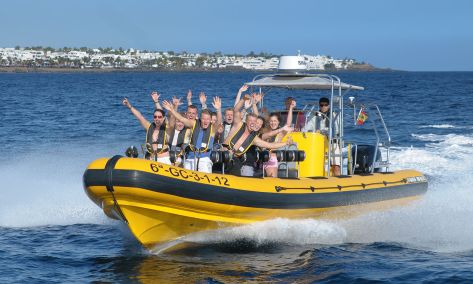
[303, 82]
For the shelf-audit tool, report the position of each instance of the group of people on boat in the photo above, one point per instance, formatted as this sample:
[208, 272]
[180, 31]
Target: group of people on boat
[187, 139]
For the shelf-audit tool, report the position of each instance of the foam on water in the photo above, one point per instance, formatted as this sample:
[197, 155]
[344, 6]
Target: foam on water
[439, 221]
[280, 230]
[45, 189]
[441, 126]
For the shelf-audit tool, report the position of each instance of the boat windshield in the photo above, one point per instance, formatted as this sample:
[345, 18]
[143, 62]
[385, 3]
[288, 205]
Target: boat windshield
[305, 120]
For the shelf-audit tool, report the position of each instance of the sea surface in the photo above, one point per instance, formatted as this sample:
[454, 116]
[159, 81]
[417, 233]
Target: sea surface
[53, 125]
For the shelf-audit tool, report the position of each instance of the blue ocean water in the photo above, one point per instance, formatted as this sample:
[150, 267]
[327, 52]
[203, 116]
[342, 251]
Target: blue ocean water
[53, 125]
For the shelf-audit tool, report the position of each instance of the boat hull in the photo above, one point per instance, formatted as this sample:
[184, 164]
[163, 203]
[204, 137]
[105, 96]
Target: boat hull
[161, 203]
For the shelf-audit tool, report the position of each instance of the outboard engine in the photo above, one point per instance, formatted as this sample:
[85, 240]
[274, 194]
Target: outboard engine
[364, 158]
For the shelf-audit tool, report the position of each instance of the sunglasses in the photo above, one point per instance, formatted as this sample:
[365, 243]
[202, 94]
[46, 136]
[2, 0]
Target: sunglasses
[155, 116]
[323, 105]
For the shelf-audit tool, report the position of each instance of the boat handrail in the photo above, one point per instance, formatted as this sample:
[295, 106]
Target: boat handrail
[379, 142]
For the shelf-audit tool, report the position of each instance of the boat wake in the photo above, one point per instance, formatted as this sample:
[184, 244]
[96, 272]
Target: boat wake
[46, 189]
[280, 230]
[439, 221]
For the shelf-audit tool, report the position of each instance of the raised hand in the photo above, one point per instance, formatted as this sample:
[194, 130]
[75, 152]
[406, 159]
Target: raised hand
[288, 128]
[202, 98]
[217, 103]
[189, 95]
[289, 141]
[155, 96]
[220, 128]
[257, 97]
[243, 88]
[126, 103]
[167, 106]
[176, 102]
[248, 103]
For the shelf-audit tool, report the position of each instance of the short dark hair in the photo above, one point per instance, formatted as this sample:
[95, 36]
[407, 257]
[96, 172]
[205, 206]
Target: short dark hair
[324, 100]
[191, 107]
[205, 111]
[160, 110]
[213, 113]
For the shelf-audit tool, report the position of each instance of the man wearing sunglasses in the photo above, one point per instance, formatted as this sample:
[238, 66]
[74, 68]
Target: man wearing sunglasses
[156, 134]
[320, 123]
[324, 110]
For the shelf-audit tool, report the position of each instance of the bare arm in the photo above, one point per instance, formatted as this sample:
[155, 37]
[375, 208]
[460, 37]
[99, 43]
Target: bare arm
[255, 109]
[171, 118]
[237, 110]
[275, 145]
[217, 104]
[137, 114]
[289, 113]
[240, 91]
[187, 122]
[203, 100]
[256, 99]
[274, 132]
[189, 97]
[155, 96]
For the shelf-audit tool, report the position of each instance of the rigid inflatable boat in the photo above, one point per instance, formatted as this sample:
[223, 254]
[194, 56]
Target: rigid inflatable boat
[161, 203]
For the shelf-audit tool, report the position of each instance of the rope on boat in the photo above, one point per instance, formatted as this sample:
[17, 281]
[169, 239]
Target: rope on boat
[340, 187]
[109, 185]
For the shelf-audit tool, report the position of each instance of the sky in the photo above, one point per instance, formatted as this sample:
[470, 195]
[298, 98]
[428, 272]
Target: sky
[403, 34]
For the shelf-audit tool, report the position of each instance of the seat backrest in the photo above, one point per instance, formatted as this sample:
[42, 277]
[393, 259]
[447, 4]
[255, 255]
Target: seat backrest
[291, 172]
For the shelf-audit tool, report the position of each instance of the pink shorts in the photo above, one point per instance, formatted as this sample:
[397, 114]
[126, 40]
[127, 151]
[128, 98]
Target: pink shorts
[272, 163]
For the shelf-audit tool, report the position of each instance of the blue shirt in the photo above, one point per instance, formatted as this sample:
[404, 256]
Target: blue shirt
[190, 155]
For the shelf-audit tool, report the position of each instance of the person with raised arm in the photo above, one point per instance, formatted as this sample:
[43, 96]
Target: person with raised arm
[202, 137]
[189, 97]
[156, 133]
[243, 88]
[155, 96]
[275, 134]
[242, 136]
[203, 100]
[178, 134]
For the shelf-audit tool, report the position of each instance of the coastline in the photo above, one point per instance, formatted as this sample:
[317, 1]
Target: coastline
[24, 69]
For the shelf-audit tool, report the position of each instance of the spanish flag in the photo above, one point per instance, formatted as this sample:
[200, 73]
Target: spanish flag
[362, 117]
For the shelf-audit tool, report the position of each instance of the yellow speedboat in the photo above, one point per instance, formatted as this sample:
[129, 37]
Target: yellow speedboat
[161, 203]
